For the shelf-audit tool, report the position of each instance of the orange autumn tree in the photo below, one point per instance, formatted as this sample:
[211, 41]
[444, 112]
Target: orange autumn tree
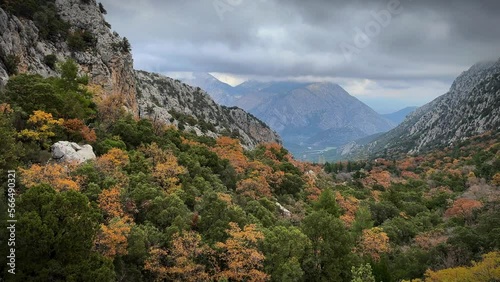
[166, 168]
[254, 187]
[154, 153]
[378, 176]
[374, 242]
[244, 262]
[273, 176]
[110, 107]
[275, 152]
[349, 206]
[430, 239]
[230, 149]
[112, 163]
[112, 237]
[166, 174]
[179, 263]
[109, 202]
[113, 160]
[312, 190]
[78, 128]
[463, 208]
[55, 175]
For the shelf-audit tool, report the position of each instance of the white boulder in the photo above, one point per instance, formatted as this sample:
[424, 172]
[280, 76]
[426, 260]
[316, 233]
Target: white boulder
[65, 151]
[283, 210]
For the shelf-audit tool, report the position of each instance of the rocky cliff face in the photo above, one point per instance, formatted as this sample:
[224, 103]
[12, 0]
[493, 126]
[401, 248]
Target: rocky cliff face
[109, 65]
[471, 107]
[106, 67]
[193, 109]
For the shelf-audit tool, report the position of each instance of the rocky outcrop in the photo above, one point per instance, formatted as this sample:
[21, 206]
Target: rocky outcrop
[106, 66]
[192, 109]
[64, 151]
[471, 107]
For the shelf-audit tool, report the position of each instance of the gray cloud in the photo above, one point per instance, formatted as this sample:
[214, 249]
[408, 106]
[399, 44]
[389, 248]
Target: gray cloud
[427, 41]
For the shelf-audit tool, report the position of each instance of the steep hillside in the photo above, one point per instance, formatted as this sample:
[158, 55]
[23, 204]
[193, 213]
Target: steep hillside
[36, 35]
[191, 108]
[471, 107]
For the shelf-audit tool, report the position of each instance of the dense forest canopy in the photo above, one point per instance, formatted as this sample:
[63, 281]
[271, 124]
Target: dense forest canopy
[159, 204]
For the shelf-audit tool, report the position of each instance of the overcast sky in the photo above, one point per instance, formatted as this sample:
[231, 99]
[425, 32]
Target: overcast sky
[388, 53]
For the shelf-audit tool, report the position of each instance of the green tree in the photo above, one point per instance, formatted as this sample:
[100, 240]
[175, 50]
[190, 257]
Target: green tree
[169, 213]
[9, 151]
[215, 215]
[363, 220]
[285, 249]
[62, 97]
[327, 203]
[362, 273]
[330, 257]
[55, 237]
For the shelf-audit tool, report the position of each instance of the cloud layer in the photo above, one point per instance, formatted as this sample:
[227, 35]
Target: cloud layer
[389, 45]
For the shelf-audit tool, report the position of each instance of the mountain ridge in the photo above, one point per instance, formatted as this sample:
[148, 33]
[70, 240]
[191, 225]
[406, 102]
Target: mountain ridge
[105, 57]
[471, 107]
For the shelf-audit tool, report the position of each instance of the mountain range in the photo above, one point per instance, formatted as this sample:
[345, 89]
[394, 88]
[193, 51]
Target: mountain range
[310, 117]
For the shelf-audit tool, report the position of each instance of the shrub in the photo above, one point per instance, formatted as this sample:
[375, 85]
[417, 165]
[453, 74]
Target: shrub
[82, 40]
[122, 46]
[50, 61]
[102, 10]
[11, 62]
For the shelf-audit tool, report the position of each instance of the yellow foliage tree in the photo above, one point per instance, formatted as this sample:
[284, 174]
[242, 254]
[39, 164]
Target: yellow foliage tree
[496, 179]
[113, 159]
[42, 126]
[484, 271]
[166, 173]
[55, 175]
